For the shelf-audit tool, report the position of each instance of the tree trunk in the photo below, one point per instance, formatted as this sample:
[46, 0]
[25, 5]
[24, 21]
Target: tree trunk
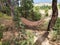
[11, 7]
[12, 10]
[0, 4]
[51, 23]
[54, 15]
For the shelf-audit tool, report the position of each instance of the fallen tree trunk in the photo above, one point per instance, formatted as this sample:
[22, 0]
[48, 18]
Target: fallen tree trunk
[29, 24]
[32, 23]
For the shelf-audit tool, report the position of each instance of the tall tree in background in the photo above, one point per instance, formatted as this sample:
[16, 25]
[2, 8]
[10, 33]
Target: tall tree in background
[9, 2]
[51, 23]
[26, 7]
[4, 8]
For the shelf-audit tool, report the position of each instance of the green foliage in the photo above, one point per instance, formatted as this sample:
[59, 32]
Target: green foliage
[4, 8]
[26, 8]
[6, 5]
[46, 12]
[36, 8]
[55, 33]
[57, 26]
[37, 16]
[16, 18]
[6, 43]
[0, 43]
[1, 35]
[1, 30]
[29, 40]
[45, 7]
[2, 15]
[59, 5]
[23, 39]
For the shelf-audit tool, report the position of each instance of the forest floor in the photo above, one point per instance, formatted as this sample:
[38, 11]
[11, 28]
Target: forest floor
[8, 34]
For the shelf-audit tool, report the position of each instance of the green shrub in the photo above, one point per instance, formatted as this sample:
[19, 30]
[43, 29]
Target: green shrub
[1, 35]
[0, 43]
[5, 9]
[2, 15]
[37, 16]
[45, 7]
[6, 43]
[57, 26]
[25, 39]
[29, 40]
[46, 12]
[36, 8]
[1, 30]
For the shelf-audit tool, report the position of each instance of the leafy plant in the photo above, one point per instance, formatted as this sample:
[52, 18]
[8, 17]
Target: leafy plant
[6, 43]
[46, 12]
[26, 8]
[1, 30]
[57, 26]
[37, 16]
[45, 7]
[29, 40]
[24, 39]
[0, 43]
[2, 15]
